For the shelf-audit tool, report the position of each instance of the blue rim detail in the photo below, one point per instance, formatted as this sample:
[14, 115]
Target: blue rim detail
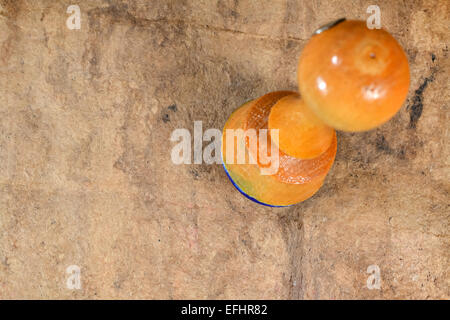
[246, 195]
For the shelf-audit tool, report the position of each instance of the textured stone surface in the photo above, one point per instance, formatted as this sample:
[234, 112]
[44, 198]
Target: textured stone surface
[86, 177]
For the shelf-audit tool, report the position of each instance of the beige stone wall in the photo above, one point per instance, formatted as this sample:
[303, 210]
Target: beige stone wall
[86, 177]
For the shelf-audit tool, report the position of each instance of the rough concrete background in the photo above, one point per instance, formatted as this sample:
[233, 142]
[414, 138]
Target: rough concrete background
[86, 177]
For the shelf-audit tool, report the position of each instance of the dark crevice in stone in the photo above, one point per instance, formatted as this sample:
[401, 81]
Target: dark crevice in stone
[416, 107]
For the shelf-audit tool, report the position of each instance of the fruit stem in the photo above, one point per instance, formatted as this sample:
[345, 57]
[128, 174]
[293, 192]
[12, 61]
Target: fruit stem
[328, 26]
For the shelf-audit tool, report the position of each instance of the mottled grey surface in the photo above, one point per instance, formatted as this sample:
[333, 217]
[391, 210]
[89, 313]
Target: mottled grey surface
[86, 177]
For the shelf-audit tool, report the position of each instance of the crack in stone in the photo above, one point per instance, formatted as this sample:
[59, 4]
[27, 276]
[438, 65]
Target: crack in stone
[144, 22]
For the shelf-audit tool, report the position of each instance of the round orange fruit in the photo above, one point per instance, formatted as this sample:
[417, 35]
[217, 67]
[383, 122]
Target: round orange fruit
[301, 133]
[353, 78]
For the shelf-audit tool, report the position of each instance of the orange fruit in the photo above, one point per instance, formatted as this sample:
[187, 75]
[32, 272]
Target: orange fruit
[353, 78]
[295, 180]
[301, 133]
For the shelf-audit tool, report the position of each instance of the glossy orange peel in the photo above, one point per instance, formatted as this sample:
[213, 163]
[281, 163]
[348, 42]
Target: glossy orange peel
[353, 78]
[301, 133]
